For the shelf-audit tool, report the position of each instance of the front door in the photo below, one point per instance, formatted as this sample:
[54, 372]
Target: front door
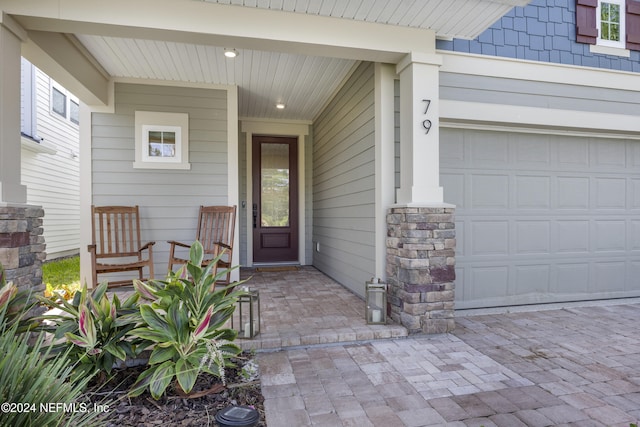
[275, 199]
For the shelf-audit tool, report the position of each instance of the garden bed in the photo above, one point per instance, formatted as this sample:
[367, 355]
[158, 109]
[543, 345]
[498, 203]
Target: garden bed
[207, 398]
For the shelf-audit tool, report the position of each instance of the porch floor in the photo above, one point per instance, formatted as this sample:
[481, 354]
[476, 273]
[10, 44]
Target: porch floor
[302, 307]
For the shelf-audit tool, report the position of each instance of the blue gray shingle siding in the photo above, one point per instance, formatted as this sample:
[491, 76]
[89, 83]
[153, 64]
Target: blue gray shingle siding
[544, 30]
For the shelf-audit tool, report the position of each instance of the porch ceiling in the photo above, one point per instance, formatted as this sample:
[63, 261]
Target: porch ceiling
[293, 51]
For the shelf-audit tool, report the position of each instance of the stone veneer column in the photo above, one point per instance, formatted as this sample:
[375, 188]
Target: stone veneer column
[421, 268]
[22, 247]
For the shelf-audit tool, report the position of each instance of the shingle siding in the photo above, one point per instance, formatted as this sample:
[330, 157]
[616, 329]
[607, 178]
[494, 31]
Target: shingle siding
[541, 31]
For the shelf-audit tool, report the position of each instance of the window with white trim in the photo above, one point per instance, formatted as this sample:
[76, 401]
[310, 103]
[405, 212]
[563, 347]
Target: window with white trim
[611, 23]
[63, 104]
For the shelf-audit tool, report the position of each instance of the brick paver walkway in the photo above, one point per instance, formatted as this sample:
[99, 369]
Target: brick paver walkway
[573, 367]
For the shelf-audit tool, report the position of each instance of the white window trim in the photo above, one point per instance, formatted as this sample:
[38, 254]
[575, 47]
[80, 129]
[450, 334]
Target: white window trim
[608, 43]
[146, 121]
[608, 50]
[69, 97]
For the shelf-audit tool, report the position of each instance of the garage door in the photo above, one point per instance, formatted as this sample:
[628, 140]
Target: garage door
[542, 218]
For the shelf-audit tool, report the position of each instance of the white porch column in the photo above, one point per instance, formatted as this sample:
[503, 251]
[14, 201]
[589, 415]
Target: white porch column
[11, 37]
[419, 130]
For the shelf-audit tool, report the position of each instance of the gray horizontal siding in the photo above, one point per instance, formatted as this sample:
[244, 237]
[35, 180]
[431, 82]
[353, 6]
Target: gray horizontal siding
[344, 184]
[493, 90]
[168, 199]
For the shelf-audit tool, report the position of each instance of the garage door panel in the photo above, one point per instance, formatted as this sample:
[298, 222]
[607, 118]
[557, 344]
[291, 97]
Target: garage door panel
[634, 236]
[533, 151]
[454, 185]
[488, 151]
[633, 158]
[461, 246]
[573, 236]
[532, 279]
[608, 155]
[572, 154]
[532, 237]
[543, 218]
[611, 193]
[489, 238]
[573, 192]
[609, 276]
[610, 235]
[571, 278]
[634, 197]
[489, 191]
[491, 282]
[452, 154]
[533, 192]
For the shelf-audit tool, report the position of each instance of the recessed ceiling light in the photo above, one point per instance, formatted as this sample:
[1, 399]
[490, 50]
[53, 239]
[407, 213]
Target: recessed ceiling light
[280, 106]
[230, 53]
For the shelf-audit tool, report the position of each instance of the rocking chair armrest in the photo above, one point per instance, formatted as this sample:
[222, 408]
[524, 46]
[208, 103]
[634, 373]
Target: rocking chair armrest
[91, 248]
[222, 247]
[146, 246]
[174, 243]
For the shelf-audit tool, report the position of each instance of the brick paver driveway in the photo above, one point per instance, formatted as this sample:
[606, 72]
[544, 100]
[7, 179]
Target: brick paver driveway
[574, 366]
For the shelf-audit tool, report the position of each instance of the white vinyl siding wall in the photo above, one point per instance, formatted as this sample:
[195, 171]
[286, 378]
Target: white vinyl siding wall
[168, 199]
[53, 180]
[344, 184]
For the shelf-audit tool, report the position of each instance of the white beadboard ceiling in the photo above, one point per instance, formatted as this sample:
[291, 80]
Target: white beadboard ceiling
[303, 82]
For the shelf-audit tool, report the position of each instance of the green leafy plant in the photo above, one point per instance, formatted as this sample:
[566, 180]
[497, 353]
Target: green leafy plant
[33, 378]
[94, 328]
[185, 322]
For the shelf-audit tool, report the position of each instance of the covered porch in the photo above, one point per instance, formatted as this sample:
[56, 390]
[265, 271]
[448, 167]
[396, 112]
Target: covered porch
[361, 121]
[301, 306]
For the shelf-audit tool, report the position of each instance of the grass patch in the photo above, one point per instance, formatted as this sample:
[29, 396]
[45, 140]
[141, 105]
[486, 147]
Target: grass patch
[61, 277]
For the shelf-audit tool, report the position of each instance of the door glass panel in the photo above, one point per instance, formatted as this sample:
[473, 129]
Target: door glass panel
[275, 185]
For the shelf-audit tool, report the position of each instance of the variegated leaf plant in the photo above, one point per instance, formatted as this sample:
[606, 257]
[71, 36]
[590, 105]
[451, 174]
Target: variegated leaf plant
[186, 322]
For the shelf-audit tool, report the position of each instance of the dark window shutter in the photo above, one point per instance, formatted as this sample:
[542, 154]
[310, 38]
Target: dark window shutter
[586, 30]
[633, 25]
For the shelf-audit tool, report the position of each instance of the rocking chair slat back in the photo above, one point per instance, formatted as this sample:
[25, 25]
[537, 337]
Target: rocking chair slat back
[116, 244]
[118, 231]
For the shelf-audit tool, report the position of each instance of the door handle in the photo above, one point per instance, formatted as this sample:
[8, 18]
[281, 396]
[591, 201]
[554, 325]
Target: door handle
[255, 215]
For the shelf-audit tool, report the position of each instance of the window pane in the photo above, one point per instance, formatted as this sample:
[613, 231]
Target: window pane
[275, 185]
[74, 112]
[610, 21]
[614, 32]
[59, 102]
[162, 144]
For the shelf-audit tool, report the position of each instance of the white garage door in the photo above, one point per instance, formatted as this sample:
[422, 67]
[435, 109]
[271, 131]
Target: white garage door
[542, 218]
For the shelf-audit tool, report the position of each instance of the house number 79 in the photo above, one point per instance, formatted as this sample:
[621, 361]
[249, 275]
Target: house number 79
[426, 124]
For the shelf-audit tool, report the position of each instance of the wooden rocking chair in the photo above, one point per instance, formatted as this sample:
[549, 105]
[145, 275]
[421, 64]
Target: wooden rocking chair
[216, 225]
[116, 245]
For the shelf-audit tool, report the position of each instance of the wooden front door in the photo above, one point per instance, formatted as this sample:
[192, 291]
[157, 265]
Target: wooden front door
[275, 199]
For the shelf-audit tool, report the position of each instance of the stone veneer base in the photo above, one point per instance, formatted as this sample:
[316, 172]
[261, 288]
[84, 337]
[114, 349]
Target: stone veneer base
[22, 246]
[421, 268]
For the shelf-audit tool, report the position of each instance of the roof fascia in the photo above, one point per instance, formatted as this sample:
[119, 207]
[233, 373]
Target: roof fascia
[211, 23]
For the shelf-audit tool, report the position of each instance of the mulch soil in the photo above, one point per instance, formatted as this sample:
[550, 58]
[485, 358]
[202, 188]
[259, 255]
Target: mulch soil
[174, 408]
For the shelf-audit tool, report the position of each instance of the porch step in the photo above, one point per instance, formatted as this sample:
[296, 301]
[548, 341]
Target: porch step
[274, 341]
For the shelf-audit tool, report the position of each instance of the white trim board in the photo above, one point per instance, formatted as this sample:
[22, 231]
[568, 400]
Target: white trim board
[477, 115]
[509, 68]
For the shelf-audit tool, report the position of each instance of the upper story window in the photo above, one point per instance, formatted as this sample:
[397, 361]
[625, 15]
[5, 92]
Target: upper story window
[609, 23]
